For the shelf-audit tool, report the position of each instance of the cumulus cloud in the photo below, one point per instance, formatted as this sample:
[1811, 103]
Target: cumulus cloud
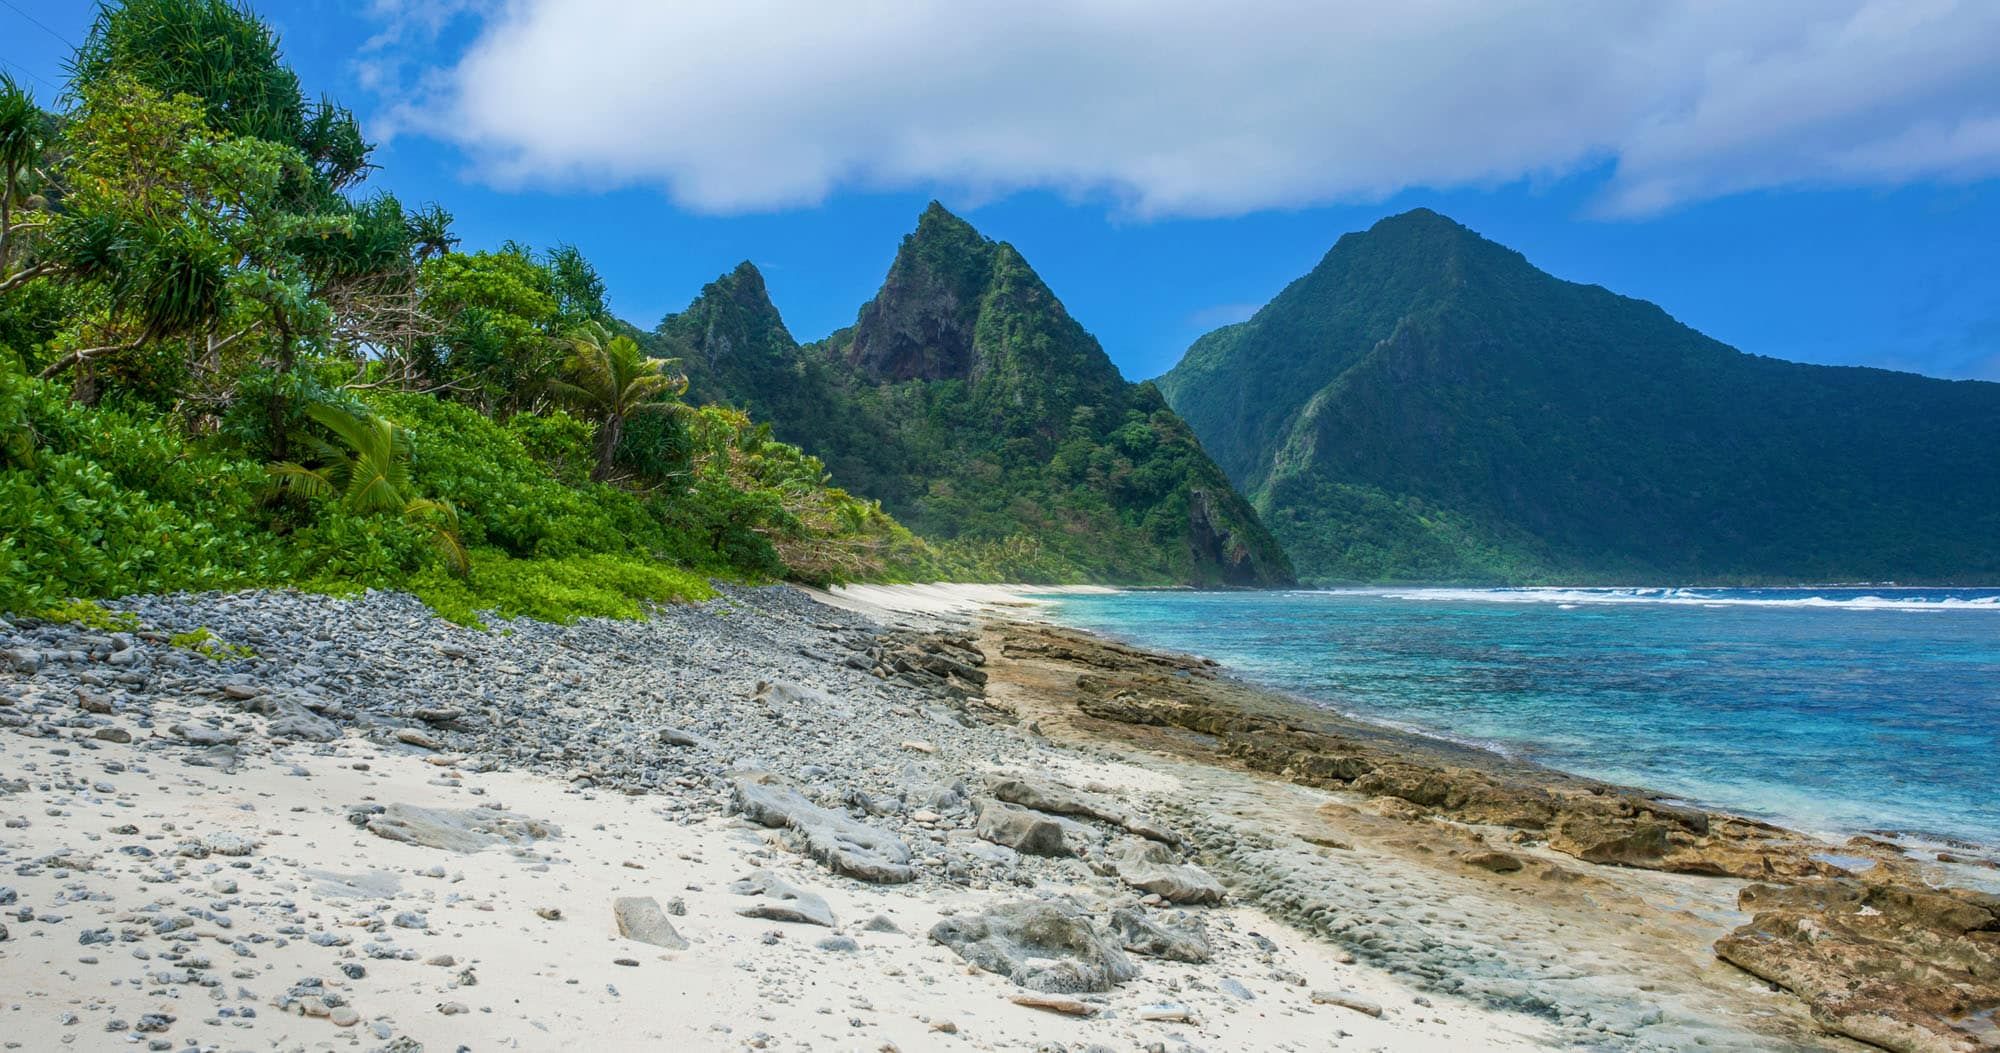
[1190, 107]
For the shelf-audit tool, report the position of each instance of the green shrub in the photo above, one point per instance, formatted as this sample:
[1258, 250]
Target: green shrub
[557, 590]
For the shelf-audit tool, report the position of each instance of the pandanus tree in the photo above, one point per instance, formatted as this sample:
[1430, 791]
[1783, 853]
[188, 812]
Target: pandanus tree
[367, 470]
[609, 381]
[23, 134]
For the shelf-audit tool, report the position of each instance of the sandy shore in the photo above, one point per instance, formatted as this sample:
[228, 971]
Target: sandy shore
[383, 832]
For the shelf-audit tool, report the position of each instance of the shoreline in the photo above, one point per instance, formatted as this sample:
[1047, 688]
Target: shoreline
[1482, 790]
[1917, 839]
[592, 821]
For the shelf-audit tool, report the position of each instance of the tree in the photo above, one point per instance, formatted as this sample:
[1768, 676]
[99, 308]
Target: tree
[609, 380]
[22, 128]
[369, 474]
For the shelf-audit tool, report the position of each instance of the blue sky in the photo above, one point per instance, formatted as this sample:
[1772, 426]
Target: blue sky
[1820, 192]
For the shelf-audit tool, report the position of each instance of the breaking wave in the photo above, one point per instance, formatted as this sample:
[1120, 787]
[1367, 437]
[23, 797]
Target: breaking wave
[1859, 599]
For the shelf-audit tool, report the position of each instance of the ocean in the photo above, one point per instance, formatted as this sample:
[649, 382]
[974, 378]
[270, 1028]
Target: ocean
[1834, 711]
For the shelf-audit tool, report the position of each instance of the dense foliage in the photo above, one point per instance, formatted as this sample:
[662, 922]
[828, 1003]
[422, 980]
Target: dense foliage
[223, 365]
[983, 416]
[1426, 405]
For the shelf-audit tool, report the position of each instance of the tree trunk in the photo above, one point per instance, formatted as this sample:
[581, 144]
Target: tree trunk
[608, 434]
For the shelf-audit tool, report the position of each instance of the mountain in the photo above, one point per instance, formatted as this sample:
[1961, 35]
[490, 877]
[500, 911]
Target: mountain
[983, 416]
[1427, 405]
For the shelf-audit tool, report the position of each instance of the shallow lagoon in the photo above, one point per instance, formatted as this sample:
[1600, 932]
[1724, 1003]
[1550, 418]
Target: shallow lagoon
[1831, 710]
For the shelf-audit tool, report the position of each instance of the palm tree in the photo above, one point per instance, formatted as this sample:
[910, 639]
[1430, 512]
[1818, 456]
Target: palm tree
[430, 231]
[21, 132]
[610, 380]
[370, 476]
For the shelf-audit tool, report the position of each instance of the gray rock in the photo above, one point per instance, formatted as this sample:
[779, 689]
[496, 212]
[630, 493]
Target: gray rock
[196, 735]
[1184, 942]
[1039, 945]
[304, 726]
[457, 830]
[838, 943]
[640, 918]
[781, 900]
[1061, 800]
[845, 845]
[1149, 867]
[1025, 831]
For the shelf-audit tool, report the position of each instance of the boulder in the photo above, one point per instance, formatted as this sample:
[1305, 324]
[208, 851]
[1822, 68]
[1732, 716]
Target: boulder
[1601, 837]
[1039, 945]
[1185, 941]
[456, 829]
[1150, 867]
[1061, 800]
[1497, 862]
[844, 845]
[781, 900]
[1023, 830]
[640, 918]
[1893, 963]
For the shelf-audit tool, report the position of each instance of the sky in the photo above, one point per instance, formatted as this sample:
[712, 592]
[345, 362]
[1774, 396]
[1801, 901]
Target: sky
[1816, 180]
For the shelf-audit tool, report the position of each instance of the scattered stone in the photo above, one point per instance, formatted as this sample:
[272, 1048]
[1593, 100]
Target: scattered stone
[457, 830]
[1346, 1000]
[1055, 1004]
[781, 901]
[640, 918]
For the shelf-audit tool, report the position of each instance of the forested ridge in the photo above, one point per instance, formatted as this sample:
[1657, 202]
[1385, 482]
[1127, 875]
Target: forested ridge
[982, 415]
[1426, 405]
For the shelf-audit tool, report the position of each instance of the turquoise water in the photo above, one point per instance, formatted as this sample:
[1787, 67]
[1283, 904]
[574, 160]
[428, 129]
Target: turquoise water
[1830, 710]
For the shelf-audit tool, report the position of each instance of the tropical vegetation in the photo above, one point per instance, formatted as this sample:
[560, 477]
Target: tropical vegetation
[225, 362]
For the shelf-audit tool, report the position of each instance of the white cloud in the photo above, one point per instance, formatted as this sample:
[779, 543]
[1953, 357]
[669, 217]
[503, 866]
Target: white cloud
[1191, 107]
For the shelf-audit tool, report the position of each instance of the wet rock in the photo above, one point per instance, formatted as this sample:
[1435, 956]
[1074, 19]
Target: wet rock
[845, 845]
[1497, 862]
[640, 918]
[1899, 965]
[781, 900]
[1039, 945]
[1599, 838]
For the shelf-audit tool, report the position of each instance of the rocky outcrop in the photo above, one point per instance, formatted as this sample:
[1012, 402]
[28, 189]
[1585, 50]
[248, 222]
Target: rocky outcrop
[847, 846]
[1152, 868]
[1040, 945]
[1057, 799]
[1183, 941]
[452, 829]
[1903, 967]
[1874, 951]
[1023, 830]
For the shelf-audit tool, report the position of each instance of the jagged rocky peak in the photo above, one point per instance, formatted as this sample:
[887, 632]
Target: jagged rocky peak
[920, 326]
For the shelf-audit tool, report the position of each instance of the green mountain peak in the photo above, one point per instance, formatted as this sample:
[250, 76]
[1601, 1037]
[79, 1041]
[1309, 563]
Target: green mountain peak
[1425, 404]
[968, 400]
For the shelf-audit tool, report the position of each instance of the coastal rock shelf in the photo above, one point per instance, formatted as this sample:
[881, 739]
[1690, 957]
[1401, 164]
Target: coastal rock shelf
[1861, 932]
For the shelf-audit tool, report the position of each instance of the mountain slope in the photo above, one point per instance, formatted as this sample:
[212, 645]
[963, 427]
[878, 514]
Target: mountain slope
[1426, 405]
[981, 414]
